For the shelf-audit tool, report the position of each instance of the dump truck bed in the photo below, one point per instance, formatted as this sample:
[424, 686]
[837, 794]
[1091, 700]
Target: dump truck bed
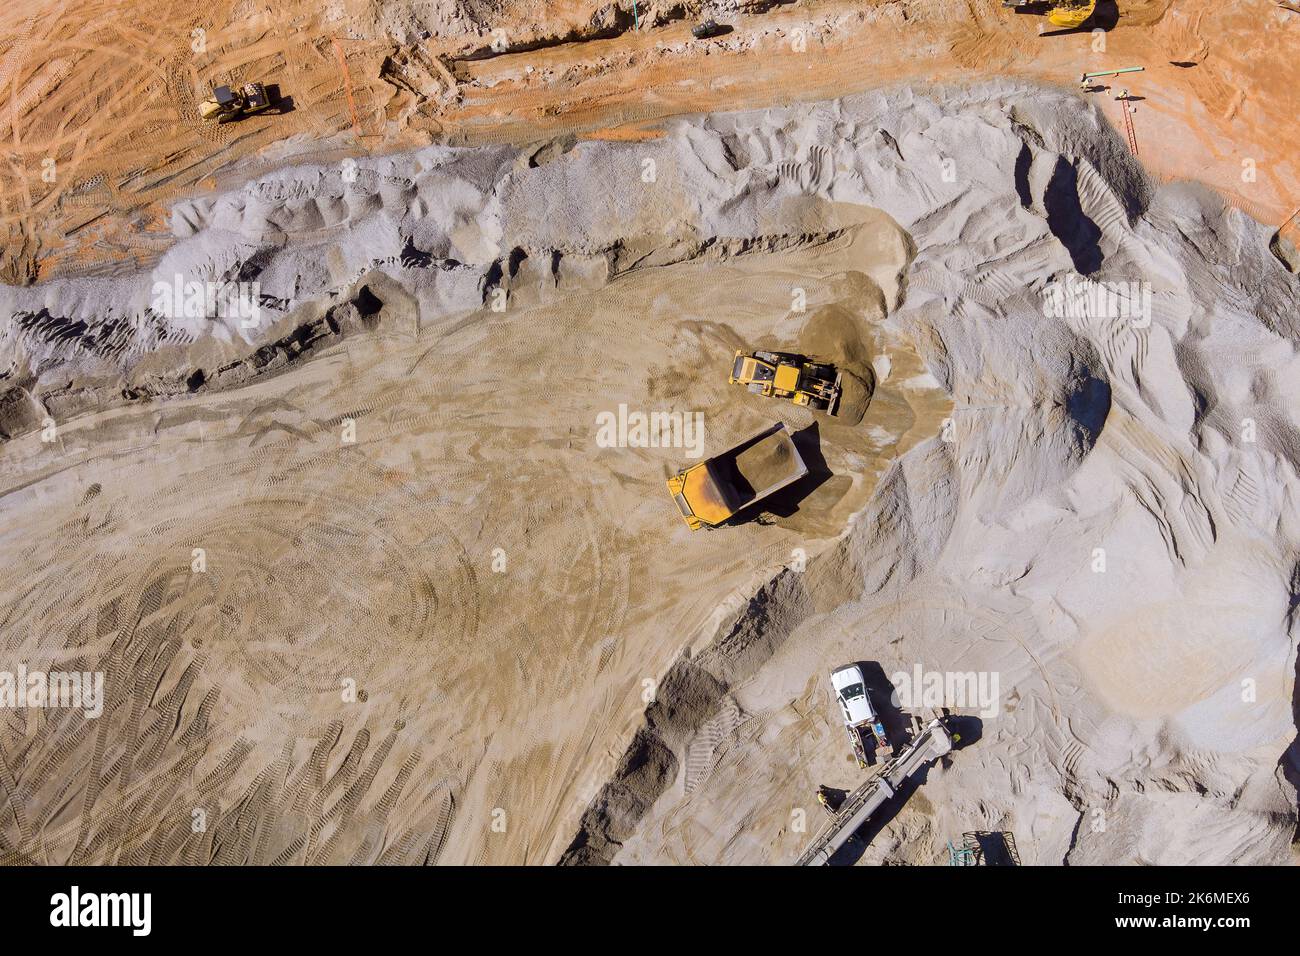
[716, 489]
[769, 464]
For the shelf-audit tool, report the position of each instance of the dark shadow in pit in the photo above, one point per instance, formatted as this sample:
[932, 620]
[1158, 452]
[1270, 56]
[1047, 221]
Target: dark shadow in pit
[686, 697]
[1285, 251]
[785, 502]
[1105, 17]
[279, 104]
[1067, 220]
[1024, 161]
[1289, 762]
[993, 848]
[1088, 406]
[970, 729]
[898, 725]
[620, 21]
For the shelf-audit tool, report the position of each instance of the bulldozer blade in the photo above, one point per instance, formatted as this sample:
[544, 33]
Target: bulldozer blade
[834, 405]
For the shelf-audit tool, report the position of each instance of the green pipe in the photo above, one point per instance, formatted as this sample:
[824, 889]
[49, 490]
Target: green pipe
[1127, 69]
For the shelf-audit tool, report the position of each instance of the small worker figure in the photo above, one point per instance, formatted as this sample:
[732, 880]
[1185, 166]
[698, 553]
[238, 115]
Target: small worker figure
[830, 799]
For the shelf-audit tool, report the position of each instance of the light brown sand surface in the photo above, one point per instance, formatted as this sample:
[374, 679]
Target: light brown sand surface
[399, 641]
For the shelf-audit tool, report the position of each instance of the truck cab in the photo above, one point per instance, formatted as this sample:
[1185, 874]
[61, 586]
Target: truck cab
[851, 692]
[860, 717]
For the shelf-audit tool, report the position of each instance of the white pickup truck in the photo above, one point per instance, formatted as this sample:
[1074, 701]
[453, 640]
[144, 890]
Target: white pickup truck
[859, 716]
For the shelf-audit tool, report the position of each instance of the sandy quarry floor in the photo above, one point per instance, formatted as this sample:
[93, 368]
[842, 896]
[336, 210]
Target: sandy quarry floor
[108, 94]
[374, 562]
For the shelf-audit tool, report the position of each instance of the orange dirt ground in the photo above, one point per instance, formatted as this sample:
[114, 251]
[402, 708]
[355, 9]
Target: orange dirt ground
[98, 98]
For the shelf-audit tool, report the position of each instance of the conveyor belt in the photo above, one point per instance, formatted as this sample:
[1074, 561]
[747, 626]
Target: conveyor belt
[933, 742]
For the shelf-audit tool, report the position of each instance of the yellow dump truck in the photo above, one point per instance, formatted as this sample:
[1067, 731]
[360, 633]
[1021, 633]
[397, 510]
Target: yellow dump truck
[789, 376]
[716, 489]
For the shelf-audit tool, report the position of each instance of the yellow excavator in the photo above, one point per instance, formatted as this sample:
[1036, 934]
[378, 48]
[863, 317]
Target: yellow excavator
[226, 105]
[1060, 13]
[788, 376]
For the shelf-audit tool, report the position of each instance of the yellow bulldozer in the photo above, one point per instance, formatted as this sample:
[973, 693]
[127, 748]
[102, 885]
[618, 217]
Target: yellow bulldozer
[226, 105]
[788, 376]
[1060, 13]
